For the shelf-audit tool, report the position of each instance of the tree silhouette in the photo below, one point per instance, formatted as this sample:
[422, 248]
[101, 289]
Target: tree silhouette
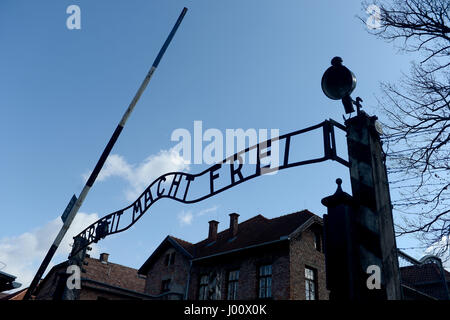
[417, 116]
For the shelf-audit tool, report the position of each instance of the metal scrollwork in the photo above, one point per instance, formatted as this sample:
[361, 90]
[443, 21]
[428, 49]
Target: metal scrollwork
[176, 185]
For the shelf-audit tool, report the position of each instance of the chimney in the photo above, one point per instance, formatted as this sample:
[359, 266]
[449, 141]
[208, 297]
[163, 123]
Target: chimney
[233, 224]
[212, 235]
[104, 258]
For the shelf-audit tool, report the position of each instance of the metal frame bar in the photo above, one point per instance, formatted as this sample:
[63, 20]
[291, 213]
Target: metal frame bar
[101, 161]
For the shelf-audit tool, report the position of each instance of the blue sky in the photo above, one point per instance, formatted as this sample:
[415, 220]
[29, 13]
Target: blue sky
[232, 64]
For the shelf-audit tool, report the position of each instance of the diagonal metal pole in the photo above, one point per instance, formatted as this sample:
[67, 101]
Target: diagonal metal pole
[101, 161]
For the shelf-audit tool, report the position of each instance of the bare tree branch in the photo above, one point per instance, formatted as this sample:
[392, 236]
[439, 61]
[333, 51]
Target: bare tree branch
[417, 118]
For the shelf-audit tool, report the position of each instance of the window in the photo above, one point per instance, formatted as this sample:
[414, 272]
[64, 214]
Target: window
[233, 280]
[317, 243]
[170, 259]
[203, 292]
[165, 286]
[311, 284]
[166, 262]
[265, 282]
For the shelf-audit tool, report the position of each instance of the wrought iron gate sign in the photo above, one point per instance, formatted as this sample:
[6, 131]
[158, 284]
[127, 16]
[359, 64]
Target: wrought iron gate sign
[177, 185]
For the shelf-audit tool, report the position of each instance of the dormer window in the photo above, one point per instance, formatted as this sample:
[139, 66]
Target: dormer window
[317, 241]
[165, 286]
[170, 259]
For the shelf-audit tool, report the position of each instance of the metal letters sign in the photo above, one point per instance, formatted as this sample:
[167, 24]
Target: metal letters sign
[178, 185]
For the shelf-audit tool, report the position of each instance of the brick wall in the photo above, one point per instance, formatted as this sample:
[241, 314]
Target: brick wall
[177, 273]
[90, 294]
[248, 263]
[303, 254]
[48, 287]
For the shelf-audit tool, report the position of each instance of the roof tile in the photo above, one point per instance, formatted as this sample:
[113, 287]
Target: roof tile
[113, 274]
[254, 231]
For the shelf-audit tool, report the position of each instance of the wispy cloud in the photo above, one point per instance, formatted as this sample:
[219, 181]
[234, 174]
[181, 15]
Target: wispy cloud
[139, 176]
[205, 211]
[186, 218]
[23, 254]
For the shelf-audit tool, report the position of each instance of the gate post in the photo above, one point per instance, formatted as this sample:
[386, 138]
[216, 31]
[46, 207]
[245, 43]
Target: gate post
[77, 260]
[359, 229]
[374, 232]
[340, 260]
[371, 223]
[346, 261]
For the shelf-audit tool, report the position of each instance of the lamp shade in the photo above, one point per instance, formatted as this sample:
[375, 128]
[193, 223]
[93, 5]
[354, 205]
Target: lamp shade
[338, 81]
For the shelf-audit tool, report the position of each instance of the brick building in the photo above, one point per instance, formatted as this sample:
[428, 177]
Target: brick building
[260, 258]
[100, 280]
[425, 282]
[280, 258]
